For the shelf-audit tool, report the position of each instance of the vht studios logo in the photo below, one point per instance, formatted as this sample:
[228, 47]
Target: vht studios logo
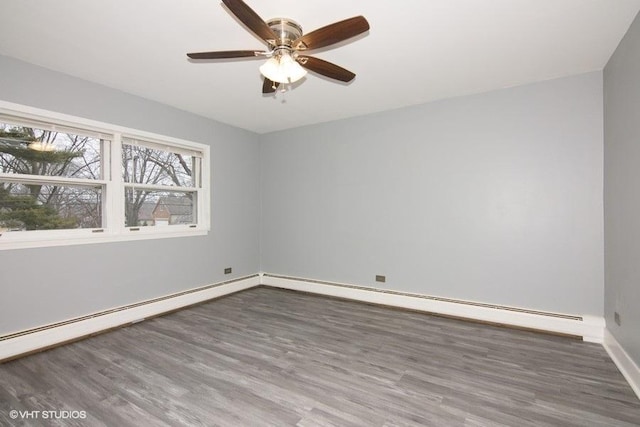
[47, 415]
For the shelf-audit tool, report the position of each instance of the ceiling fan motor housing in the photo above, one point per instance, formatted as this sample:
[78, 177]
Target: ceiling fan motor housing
[287, 30]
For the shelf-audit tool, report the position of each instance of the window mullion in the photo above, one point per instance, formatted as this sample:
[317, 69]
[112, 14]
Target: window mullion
[171, 188]
[47, 179]
[204, 192]
[115, 190]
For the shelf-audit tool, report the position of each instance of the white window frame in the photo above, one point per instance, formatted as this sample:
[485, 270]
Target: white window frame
[114, 229]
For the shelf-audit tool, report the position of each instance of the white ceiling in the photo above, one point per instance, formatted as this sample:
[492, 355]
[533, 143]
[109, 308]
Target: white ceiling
[416, 51]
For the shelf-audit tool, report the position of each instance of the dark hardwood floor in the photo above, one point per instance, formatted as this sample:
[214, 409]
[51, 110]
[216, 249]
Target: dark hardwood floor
[275, 357]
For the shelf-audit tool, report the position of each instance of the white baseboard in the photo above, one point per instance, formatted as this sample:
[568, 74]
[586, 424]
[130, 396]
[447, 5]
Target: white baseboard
[590, 328]
[39, 338]
[625, 364]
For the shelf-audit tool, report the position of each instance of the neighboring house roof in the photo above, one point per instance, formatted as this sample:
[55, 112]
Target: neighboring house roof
[145, 213]
[179, 209]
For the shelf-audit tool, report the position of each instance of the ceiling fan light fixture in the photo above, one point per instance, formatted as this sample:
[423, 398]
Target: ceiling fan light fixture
[39, 146]
[282, 68]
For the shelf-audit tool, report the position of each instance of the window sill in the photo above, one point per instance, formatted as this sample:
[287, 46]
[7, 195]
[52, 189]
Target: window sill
[86, 237]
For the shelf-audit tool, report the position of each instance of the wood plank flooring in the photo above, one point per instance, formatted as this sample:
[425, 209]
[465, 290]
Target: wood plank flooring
[279, 358]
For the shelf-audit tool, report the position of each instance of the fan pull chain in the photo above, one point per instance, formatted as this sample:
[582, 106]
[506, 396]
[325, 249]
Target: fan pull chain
[284, 88]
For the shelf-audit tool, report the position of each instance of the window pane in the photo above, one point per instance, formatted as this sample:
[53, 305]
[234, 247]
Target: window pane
[143, 165]
[159, 208]
[49, 207]
[33, 151]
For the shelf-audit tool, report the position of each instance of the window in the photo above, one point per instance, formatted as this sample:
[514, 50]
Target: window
[65, 180]
[151, 174]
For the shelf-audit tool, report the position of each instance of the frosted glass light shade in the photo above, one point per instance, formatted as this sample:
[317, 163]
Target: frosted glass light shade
[270, 69]
[282, 69]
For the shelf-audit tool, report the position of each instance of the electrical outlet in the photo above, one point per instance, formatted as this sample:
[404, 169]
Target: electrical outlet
[227, 270]
[381, 278]
[616, 318]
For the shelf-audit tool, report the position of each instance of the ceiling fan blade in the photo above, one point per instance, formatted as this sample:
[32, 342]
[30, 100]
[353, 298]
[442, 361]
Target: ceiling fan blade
[325, 68]
[248, 17]
[269, 86]
[225, 54]
[332, 33]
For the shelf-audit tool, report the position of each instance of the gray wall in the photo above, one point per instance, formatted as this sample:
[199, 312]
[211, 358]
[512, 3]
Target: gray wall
[495, 198]
[44, 285]
[621, 195]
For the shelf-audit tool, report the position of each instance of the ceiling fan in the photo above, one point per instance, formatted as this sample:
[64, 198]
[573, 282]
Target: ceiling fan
[287, 61]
